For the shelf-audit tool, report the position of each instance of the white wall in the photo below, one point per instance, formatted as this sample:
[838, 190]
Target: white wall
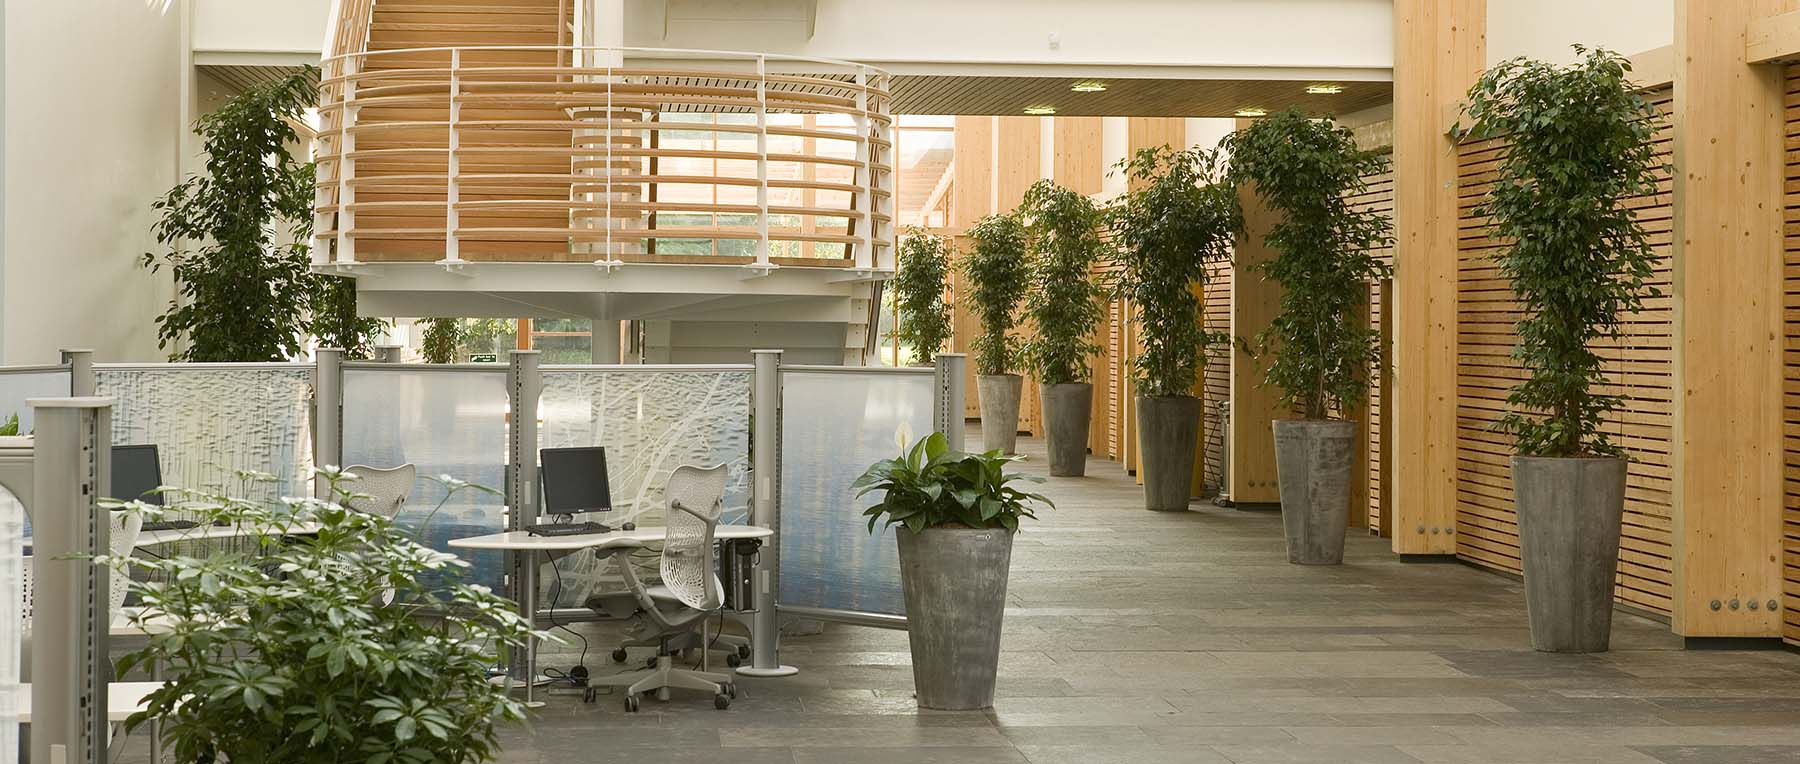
[93, 94]
[1544, 29]
[260, 26]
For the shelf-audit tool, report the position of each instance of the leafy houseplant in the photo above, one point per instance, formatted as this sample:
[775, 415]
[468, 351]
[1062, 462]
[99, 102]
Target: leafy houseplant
[1179, 216]
[1306, 171]
[919, 286]
[440, 340]
[999, 276]
[956, 513]
[1578, 147]
[323, 649]
[1064, 306]
[244, 294]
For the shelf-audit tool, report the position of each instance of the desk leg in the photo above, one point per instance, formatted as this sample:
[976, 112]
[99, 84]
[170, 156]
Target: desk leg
[528, 604]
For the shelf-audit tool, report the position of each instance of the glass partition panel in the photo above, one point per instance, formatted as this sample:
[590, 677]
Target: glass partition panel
[209, 422]
[12, 616]
[19, 386]
[651, 421]
[834, 424]
[445, 421]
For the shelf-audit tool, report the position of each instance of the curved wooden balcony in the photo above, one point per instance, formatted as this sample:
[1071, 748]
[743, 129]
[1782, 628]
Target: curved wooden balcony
[549, 154]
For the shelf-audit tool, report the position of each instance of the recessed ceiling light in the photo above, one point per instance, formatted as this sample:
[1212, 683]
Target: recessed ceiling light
[1088, 86]
[1040, 111]
[1253, 111]
[1324, 89]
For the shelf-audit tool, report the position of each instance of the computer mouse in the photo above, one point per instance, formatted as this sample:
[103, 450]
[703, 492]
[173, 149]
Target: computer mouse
[628, 527]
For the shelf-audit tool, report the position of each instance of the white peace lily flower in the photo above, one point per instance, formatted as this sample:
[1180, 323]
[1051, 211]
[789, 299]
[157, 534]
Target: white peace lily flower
[903, 436]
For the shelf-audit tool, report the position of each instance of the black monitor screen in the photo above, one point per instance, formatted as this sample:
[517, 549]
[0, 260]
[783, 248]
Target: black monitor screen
[135, 471]
[574, 480]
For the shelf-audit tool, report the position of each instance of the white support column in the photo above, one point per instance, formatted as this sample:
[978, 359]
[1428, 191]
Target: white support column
[453, 166]
[81, 371]
[762, 162]
[524, 385]
[71, 470]
[952, 390]
[865, 150]
[328, 415]
[765, 511]
[346, 167]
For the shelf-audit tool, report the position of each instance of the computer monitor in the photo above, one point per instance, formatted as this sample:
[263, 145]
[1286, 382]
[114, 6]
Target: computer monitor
[135, 473]
[574, 480]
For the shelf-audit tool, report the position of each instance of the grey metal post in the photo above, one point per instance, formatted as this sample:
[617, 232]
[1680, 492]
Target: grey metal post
[524, 385]
[81, 371]
[765, 510]
[328, 415]
[71, 471]
[949, 415]
[390, 353]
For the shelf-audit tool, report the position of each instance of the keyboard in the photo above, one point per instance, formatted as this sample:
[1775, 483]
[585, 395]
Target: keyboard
[565, 529]
[169, 525]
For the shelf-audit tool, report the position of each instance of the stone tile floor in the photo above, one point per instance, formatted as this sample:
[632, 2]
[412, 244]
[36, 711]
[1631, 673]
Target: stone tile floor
[1138, 637]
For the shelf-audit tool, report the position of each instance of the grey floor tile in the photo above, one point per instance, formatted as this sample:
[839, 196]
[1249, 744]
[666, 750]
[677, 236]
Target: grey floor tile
[1723, 754]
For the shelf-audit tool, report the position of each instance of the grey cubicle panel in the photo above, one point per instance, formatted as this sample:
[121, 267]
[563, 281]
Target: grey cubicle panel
[15, 469]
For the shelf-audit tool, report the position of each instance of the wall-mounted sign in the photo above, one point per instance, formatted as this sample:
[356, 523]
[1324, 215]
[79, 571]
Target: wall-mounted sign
[484, 358]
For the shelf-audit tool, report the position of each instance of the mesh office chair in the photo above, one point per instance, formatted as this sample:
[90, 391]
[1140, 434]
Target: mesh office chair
[122, 539]
[690, 592]
[381, 491]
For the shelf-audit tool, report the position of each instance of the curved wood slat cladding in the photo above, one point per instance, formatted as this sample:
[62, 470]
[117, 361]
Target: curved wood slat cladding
[1640, 366]
[1790, 538]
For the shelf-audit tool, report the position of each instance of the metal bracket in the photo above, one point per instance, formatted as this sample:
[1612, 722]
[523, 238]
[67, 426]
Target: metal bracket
[455, 267]
[757, 271]
[606, 267]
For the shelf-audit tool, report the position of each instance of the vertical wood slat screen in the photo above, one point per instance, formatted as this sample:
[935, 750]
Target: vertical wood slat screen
[1216, 377]
[1790, 540]
[1378, 197]
[1638, 365]
[1113, 337]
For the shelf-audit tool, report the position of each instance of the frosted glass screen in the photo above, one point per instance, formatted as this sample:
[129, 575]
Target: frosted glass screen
[12, 588]
[833, 426]
[209, 423]
[445, 422]
[651, 421]
[17, 387]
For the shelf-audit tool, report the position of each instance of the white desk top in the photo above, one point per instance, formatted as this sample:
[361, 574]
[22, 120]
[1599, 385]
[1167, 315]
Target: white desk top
[122, 700]
[522, 541]
[200, 532]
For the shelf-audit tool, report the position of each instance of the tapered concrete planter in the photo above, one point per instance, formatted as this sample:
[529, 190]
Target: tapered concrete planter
[1000, 411]
[954, 581]
[1312, 465]
[1067, 409]
[1169, 434]
[1569, 516]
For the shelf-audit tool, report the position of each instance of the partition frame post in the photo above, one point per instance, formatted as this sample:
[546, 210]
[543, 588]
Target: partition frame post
[390, 353]
[948, 416]
[328, 415]
[524, 385]
[80, 361]
[765, 510]
[71, 471]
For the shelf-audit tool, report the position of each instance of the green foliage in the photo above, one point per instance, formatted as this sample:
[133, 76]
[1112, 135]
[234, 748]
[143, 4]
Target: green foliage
[243, 296]
[1064, 300]
[1579, 148]
[10, 427]
[1179, 216]
[440, 339]
[999, 276]
[931, 486]
[919, 287]
[308, 651]
[334, 319]
[487, 335]
[1307, 170]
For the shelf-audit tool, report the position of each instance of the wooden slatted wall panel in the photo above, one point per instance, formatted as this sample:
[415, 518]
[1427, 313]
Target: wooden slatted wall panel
[1216, 377]
[1790, 542]
[1114, 341]
[1639, 365]
[1378, 197]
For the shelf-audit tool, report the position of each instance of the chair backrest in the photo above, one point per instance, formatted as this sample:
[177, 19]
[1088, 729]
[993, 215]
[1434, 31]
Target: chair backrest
[386, 489]
[123, 538]
[696, 496]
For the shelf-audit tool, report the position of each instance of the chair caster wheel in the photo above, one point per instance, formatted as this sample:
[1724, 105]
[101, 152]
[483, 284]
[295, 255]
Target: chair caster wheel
[650, 664]
[721, 701]
[743, 652]
[631, 704]
[731, 689]
[733, 660]
[618, 655]
[589, 695]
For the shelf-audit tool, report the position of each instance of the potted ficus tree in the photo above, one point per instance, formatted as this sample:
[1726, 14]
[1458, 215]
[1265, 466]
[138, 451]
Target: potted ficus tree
[956, 514]
[998, 276]
[1064, 305]
[920, 281]
[1307, 170]
[1179, 216]
[1578, 147]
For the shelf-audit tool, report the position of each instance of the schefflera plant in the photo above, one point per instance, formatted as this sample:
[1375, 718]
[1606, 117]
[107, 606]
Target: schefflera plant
[920, 284]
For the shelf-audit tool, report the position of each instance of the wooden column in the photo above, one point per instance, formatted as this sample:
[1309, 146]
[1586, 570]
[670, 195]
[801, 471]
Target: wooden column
[1439, 48]
[1076, 163]
[1727, 452]
[1254, 302]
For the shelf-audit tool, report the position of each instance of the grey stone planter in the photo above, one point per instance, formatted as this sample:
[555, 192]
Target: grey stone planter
[1312, 464]
[1000, 411]
[1169, 434]
[1569, 516]
[1067, 409]
[954, 581]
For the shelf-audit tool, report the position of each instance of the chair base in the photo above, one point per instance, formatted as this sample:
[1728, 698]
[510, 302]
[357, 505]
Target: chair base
[663, 678]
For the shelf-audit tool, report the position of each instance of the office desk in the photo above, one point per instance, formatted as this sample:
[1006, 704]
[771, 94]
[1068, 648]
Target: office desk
[525, 592]
[206, 531]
